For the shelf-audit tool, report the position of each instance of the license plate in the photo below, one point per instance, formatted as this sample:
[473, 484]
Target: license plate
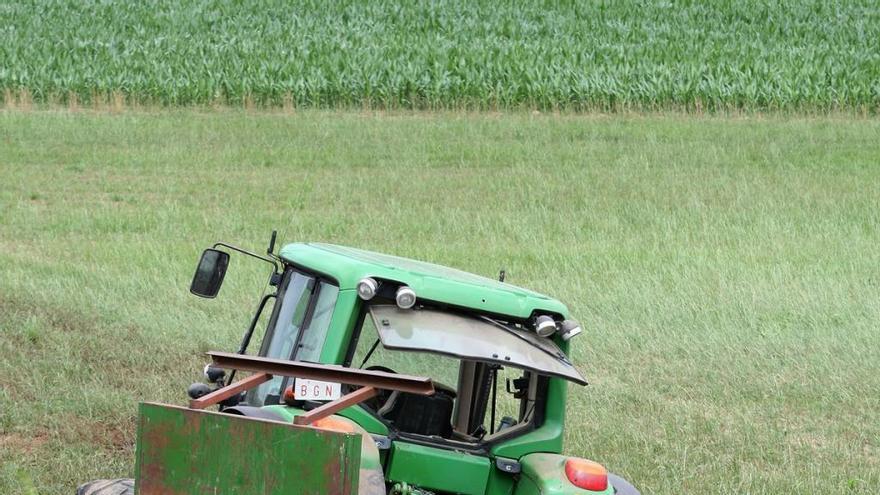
[304, 389]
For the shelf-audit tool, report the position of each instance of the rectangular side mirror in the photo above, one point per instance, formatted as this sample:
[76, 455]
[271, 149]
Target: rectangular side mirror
[209, 274]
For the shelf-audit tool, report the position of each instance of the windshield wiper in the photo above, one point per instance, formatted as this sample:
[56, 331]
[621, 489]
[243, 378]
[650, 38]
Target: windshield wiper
[369, 353]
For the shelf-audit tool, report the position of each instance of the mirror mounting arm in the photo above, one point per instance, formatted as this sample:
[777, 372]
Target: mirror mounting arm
[249, 253]
[272, 244]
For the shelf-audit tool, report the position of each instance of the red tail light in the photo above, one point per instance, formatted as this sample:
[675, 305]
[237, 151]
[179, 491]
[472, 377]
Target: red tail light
[586, 474]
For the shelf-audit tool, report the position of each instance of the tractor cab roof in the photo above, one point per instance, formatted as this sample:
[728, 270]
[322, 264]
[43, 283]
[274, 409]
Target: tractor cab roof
[430, 282]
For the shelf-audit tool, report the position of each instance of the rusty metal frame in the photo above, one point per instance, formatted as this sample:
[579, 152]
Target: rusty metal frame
[332, 373]
[337, 405]
[228, 391]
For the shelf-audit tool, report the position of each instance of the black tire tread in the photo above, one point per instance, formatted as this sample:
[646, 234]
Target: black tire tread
[124, 486]
[621, 486]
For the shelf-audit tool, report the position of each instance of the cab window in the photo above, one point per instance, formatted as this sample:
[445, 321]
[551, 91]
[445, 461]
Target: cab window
[298, 327]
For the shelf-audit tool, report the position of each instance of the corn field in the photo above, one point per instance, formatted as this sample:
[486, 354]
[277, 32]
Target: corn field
[578, 55]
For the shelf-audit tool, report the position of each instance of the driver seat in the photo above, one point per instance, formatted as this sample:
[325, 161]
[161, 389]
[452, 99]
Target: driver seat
[429, 415]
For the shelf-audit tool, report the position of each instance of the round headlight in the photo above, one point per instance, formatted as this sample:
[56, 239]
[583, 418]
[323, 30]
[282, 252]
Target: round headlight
[405, 297]
[213, 374]
[367, 288]
[545, 326]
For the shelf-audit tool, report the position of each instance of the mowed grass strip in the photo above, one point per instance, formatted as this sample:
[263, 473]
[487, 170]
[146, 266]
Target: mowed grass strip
[813, 55]
[725, 270]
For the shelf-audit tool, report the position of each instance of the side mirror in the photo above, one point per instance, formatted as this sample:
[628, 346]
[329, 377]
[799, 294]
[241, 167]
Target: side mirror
[209, 274]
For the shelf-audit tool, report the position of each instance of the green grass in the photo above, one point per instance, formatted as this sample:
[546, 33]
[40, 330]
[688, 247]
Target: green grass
[727, 272]
[721, 54]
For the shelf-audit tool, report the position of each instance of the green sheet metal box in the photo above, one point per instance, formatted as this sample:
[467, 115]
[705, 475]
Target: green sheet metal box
[187, 451]
[439, 469]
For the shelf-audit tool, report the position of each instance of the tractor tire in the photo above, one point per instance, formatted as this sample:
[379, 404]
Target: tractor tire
[621, 486]
[123, 486]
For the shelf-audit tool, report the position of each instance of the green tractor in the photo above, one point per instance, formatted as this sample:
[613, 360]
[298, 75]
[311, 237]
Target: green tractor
[375, 375]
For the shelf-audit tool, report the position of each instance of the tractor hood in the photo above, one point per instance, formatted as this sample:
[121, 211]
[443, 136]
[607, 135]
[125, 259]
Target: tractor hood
[431, 282]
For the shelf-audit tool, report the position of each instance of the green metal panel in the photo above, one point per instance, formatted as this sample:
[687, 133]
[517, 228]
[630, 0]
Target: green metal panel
[286, 412]
[438, 469]
[371, 474]
[546, 438]
[527, 486]
[501, 483]
[187, 451]
[433, 282]
[341, 328]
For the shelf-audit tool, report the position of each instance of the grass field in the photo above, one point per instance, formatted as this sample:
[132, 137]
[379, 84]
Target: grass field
[727, 271]
[814, 55]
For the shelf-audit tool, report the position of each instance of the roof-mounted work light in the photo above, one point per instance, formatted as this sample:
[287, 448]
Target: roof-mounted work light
[545, 326]
[367, 288]
[405, 297]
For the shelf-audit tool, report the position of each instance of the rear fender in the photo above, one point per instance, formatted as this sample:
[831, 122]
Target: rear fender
[544, 474]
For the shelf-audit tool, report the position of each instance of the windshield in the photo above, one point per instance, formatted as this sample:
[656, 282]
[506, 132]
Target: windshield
[298, 327]
[470, 338]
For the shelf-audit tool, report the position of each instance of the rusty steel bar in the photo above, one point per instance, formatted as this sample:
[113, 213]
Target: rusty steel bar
[337, 405]
[228, 391]
[331, 373]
